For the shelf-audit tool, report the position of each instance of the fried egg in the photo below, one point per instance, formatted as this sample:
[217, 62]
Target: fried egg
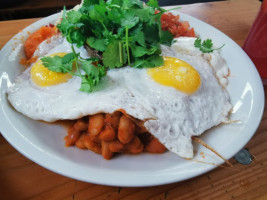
[181, 99]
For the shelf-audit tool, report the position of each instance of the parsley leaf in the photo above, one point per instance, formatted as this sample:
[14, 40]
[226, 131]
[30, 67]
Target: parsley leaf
[205, 46]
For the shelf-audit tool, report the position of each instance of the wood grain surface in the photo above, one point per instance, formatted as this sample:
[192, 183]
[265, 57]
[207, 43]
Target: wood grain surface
[21, 178]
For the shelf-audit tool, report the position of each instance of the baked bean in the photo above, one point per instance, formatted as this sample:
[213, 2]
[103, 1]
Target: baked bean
[80, 125]
[80, 142]
[135, 146]
[72, 137]
[154, 146]
[112, 133]
[108, 134]
[90, 144]
[113, 119]
[115, 146]
[125, 130]
[96, 123]
[145, 137]
[94, 138]
[141, 128]
[106, 153]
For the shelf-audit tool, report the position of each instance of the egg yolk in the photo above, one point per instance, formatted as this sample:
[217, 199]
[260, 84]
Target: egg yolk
[43, 77]
[178, 74]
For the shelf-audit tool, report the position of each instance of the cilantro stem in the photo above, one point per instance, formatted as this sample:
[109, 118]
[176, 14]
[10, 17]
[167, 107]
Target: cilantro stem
[163, 10]
[106, 32]
[219, 47]
[70, 72]
[113, 5]
[127, 45]
[179, 7]
[76, 60]
[120, 52]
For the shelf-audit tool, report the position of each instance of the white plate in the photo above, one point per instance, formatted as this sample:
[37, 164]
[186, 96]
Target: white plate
[43, 143]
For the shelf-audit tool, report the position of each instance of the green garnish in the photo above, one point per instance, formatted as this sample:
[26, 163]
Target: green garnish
[93, 71]
[123, 31]
[205, 46]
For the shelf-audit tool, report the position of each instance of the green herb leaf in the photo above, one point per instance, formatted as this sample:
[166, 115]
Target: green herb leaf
[148, 62]
[76, 36]
[67, 61]
[124, 31]
[137, 3]
[64, 25]
[138, 51]
[115, 55]
[93, 75]
[129, 20]
[93, 72]
[98, 13]
[205, 46]
[53, 63]
[138, 35]
[155, 4]
[165, 37]
[145, 14]
[73, 16]
[98, 44]
[89, 68]
[88, 3]
[87, 84]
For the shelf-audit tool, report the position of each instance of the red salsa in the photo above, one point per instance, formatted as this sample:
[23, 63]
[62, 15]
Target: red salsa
[177, 28]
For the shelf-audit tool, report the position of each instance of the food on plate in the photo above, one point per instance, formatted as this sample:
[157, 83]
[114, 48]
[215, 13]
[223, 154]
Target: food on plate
[177, 28]
[160, 94]
[108, 134]
[36, 38]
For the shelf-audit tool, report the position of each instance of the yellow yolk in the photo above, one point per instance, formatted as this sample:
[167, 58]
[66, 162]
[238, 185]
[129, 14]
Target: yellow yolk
[178, 74]
[43, 77]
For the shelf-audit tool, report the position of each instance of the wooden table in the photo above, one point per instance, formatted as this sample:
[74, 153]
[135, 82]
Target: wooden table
[20, 178]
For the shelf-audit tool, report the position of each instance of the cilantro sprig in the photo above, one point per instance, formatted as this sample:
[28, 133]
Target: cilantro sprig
[92, 70]
[206, 46]
[123, 31]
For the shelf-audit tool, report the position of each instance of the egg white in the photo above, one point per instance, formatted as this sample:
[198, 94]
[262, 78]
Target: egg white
[172, 116]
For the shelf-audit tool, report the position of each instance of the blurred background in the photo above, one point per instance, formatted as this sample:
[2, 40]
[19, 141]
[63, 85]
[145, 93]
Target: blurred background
[22, 9]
